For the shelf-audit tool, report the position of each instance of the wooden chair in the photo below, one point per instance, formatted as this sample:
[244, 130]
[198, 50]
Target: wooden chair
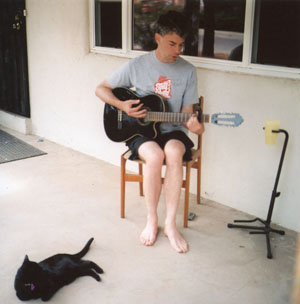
[138, 177]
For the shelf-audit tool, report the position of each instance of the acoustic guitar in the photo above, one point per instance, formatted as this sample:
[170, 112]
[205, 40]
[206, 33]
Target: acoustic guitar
[121, 127]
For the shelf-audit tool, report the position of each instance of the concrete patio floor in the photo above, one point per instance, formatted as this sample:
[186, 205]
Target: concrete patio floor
[54, 203]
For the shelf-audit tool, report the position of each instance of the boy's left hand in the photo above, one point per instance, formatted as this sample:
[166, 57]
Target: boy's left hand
[195, 126]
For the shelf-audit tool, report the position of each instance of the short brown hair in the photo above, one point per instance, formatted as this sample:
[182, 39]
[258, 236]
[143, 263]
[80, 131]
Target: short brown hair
[172, 22]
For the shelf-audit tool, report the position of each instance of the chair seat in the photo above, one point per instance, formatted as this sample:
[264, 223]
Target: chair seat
[195, 154]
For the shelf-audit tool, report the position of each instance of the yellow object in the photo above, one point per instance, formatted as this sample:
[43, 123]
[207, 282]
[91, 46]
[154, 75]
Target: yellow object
[269, 135]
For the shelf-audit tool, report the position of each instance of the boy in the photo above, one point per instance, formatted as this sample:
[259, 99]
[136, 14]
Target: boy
[163, 72]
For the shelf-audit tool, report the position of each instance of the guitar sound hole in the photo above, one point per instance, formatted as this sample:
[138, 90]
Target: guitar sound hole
[144, 121]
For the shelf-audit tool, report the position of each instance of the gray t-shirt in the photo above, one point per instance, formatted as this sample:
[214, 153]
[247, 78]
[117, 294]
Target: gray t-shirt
[176, 82]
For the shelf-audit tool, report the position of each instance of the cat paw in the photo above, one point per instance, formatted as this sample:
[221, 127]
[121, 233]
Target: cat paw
[98, 278]
[96, 267]
[46, 298]
[99, 270]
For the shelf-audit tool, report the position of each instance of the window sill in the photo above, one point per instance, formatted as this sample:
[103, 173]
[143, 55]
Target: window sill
[250, 69]
[215, 64]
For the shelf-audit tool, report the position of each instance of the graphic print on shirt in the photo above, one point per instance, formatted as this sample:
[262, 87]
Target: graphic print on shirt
[163, 87]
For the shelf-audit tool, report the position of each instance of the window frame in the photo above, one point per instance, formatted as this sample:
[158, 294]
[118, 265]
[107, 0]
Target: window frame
[244, 66]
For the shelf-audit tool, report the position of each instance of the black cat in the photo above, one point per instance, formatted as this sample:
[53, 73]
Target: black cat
[42, 280]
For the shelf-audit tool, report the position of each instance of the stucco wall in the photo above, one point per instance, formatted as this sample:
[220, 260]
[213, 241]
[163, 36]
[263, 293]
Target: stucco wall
[238, 168]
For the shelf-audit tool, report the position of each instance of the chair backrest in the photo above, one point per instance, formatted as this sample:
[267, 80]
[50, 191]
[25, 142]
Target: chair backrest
[199, 107]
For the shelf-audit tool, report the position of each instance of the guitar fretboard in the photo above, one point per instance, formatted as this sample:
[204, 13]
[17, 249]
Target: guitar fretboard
[174, 117]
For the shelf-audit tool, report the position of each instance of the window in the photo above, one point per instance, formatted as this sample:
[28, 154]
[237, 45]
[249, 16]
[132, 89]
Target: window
[108, 23]
[256, 36]
[217, 27]
[277, 33]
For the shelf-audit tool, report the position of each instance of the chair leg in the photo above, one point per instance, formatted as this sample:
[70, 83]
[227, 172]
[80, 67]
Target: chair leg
[141, 183]
[123, 163]
[187, 195]
[199, 180]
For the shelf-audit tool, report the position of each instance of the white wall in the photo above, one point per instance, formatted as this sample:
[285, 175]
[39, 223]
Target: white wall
[238, 168]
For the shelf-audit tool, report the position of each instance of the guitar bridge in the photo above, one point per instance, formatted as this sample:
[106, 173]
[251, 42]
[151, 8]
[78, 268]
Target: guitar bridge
[120, 116]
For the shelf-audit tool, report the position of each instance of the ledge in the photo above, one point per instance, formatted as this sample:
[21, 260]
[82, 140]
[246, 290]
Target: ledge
[15, 122]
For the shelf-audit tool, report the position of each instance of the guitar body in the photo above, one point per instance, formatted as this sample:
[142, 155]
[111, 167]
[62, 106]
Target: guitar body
[121, 127]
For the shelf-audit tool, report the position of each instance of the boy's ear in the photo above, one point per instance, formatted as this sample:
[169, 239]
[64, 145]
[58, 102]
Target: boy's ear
[157, 38]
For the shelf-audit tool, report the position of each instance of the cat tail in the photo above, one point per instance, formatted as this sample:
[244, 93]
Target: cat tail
[84, 251]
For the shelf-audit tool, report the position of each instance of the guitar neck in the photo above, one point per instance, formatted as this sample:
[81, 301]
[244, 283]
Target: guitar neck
[174, 117]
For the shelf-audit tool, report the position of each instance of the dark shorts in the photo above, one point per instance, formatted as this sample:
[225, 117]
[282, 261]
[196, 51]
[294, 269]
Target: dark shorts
[134, 143]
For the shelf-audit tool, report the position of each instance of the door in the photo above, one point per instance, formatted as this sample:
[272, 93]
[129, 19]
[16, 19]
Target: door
[14, 91]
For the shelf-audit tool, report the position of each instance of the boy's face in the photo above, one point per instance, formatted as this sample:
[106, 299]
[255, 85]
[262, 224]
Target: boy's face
[169, 47]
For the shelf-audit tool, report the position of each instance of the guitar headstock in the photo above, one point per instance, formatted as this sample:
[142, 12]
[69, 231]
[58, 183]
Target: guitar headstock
[227, 119]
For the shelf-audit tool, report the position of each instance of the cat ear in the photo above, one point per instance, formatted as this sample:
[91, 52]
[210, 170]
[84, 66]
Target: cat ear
[26, 260]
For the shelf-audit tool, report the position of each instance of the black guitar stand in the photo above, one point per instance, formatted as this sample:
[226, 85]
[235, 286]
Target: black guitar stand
[266, 228]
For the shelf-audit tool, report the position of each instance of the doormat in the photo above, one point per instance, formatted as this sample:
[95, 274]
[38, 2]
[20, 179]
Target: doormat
[12, 148]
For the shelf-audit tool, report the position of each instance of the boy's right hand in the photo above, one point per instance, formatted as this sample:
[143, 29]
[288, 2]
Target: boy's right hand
[133, 107]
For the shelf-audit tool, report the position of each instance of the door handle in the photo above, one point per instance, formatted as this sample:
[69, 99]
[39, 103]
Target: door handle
[16, 26]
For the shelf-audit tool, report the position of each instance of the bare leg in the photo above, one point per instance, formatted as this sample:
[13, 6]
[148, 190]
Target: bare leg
[153, 156]
[174, 151]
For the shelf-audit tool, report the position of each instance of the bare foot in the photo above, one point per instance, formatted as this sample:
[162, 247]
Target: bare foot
[176, 240]
[148, 235]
